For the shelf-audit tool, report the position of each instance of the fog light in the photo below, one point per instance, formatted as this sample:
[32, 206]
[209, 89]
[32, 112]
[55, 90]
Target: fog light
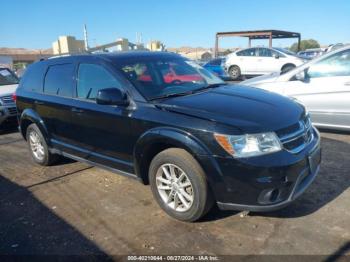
[269, 196]
[274, 194]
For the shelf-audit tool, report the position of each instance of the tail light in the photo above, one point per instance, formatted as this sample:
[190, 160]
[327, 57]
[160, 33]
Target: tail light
[14, 97]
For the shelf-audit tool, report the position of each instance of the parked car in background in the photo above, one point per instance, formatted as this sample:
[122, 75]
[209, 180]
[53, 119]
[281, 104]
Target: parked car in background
[8, 85]
[333, 47]
[195, 142]
[322, 85]
[260, 61]
[216, 66]
[311, 53]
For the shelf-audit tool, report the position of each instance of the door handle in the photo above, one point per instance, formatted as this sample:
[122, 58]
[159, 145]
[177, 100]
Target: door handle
[77, 110]
[38, 102]
[347, 83]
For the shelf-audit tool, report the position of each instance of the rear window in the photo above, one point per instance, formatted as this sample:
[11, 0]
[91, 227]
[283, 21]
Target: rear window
[59, 80]
[32, 79]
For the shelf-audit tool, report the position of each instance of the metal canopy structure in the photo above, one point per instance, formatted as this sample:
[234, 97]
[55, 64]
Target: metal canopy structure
[255, 35]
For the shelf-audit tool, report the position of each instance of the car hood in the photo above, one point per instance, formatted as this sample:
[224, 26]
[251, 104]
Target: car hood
[261, 79]
[7, 89]
[249, 109]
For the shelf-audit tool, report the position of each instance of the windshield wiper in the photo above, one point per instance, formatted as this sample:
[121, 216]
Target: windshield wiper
[208, 87]
[188, 92]
[171, 95]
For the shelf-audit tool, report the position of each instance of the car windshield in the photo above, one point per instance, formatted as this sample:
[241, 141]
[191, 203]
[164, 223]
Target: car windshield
[160, 77]
[7, 77]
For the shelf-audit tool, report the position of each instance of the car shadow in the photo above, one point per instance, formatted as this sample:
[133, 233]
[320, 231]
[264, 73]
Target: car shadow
[338, 255]
[216, 214]
[27, 227]
[6, 129]
[332, 180]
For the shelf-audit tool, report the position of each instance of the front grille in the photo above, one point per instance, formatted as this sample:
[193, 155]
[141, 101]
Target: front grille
[7, 100]
[296, 137]
[12, 110]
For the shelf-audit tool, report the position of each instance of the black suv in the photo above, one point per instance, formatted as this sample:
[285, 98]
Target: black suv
[167, 122]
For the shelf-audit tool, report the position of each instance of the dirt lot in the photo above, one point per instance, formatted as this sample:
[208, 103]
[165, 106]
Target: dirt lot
[73, 208]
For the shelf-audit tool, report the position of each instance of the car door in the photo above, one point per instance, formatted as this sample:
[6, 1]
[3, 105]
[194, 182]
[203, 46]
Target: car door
[326, 90]
[247, 61]
[54, 105]
[269, 61]
[102, 132]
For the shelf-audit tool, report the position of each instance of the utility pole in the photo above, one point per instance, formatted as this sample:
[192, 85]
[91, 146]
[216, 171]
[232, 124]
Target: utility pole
[86, 39]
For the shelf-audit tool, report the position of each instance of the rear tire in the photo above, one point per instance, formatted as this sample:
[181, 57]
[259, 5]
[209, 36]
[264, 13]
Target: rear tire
[38, 147]
[234, 72]
[182, 190]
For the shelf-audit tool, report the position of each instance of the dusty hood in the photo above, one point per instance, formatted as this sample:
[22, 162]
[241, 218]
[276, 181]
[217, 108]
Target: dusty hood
[249, 109]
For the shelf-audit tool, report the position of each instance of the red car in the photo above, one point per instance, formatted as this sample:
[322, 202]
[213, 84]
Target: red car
[172, 74]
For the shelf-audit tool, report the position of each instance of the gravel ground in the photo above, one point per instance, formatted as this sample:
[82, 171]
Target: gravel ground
[75, 209]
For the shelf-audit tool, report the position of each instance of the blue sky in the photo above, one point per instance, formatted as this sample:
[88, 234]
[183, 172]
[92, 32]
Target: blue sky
[37, 23]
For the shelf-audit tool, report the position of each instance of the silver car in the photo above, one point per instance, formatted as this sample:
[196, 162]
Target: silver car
[322, 85]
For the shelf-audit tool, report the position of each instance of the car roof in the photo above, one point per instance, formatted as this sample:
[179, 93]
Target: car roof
[116, 56]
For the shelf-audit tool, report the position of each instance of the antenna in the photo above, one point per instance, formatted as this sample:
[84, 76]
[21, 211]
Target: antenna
[86, 38]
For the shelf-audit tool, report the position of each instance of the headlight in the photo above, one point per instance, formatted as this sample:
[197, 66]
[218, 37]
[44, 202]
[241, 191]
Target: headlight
[249, 145]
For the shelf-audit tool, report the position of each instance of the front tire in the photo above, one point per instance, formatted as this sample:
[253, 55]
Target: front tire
[179, 185]
[38, 147]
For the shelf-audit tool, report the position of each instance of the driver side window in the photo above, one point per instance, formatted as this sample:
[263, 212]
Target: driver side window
[335, 65]
[92, 78]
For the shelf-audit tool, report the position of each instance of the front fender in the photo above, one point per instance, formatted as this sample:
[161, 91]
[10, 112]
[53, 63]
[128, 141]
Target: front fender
[28, 117]
[176, 138]
[172, 136]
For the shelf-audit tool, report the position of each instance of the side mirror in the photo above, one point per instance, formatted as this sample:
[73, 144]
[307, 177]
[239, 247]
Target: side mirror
[112, 96]
[301, 76]
[277, 56]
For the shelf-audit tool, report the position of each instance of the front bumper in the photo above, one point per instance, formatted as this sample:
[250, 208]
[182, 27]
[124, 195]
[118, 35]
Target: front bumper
[300, 186]
[267, 182]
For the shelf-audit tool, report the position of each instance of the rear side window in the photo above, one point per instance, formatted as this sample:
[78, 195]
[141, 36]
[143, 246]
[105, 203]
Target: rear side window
[59, 80]
[92, 78]
[32, 79]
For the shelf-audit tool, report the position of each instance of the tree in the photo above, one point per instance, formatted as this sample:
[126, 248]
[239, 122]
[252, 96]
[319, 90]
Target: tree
[305, 44]
[226, 52]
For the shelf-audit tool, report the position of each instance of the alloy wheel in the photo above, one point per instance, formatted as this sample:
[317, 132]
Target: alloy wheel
[174, 187]
[36, 145]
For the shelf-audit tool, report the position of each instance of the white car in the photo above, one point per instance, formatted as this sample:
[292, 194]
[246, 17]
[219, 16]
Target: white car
[260, 61]
[8, 85]
[322, 85]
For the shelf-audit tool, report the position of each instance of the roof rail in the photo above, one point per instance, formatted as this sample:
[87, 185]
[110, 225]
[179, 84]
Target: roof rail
[69, 54]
